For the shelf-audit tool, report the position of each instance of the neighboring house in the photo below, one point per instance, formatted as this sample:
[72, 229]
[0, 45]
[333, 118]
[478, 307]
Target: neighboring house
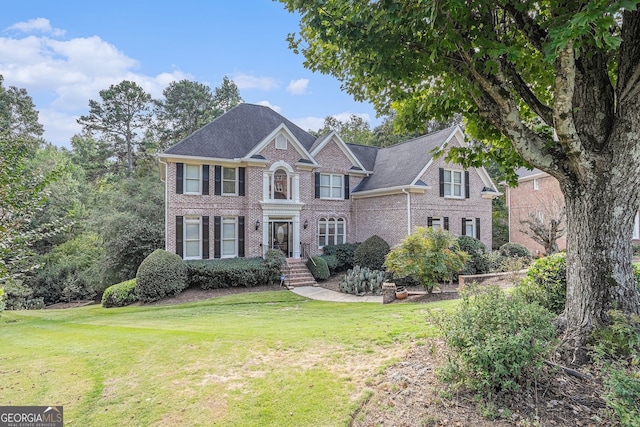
[252, 180]
[539, 193]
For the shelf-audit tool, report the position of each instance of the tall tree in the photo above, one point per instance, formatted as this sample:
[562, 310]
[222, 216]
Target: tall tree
[122, 116]
[226, 96]
[18, 116]
[552, 84]
[354, 130]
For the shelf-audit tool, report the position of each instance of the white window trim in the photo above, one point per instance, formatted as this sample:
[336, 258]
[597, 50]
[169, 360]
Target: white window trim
[452, 184]
[281, 142]
[192, 220]
[289, 181]
[471, 221]
[536, 184]
[222, 181]
[234, 221]
[326, 221]
[331, 186]
[185, 179]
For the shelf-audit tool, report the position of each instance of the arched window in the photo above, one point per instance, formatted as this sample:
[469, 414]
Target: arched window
[281, 185]
[331, 231]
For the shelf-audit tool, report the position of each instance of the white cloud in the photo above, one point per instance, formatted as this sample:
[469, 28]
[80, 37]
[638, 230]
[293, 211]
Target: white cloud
[344, 117]
[37, 25]
[247, 81]
[298, 87]
[59, 127]
[309, 123]
[268, 104]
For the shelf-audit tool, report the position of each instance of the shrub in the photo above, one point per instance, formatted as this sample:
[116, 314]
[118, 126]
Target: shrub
[120, 294]
[332, 263]
[1, 300]
[371, 253]
[343, 252]
[160, 274]
[546, 283]
[318, 268]
[361, 281]
[17, 296]
[233, 272]
[515, 250]
[478, 262]
[636, 272]
[274, 261]
[496, 341]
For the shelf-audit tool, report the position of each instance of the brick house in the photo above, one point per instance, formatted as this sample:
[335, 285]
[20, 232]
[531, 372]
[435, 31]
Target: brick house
[252, 180]
[539, 193]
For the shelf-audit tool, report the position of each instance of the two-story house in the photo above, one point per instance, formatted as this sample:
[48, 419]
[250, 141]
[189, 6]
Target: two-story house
[252, 180]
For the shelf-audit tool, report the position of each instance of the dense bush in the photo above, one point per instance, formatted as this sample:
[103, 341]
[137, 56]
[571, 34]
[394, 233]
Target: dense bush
[318, 268]
[343, 252]
[1, 300]
[120, 294]
[514, 250]
[496, 341]
[332, 263]
[274, 262]
[478, 262]
[233, 272]
[371, 253]
[160, 274]
[546, 283]
[361, 281]
[17, 296]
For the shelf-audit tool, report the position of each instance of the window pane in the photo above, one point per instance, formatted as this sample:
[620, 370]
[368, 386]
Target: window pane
[336, 192]
[337, 180]
[324, 179]
[229, 187]
[228, 247]
[192, 231]
[457, 177]
[332, 228]
[447, 176]
[447, 189]
[229, 173]
[228, 231]
[322, 240]
[192, 171]
[457, 190]
[192, 249]
[192, 186]
[341, 227]
[325, 192]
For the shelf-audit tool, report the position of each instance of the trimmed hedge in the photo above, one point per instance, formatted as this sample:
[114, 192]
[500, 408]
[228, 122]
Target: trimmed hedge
[478, 262]
[515, 250]
[343, 252]
[371, 253]
[318, 268]
[332, 263]
[233, 272]
[120, 294]
[161, 274]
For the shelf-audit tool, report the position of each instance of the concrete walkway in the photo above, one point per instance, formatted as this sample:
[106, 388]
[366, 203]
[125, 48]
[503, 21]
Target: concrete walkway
[322, 294]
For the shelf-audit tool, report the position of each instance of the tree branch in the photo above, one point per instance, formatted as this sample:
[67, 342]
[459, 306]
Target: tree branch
[527, 26]
[527, 94]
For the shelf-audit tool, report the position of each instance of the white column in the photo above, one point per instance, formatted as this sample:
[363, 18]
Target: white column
[265, 186]
[296, 188]
[265, 234]
[296, 236]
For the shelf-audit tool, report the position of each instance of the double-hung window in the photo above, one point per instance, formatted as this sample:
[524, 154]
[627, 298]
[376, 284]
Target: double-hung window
[192, 179]
[229, 181]
[469, 227]
[229, 238]
[453, 183]
[437, 223]
[331, 231]
[331, 186]
[192, 238]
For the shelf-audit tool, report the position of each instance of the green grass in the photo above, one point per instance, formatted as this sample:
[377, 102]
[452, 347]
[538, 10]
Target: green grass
[246, 360]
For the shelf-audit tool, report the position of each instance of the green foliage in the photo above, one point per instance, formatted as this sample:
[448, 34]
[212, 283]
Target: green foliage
[497, 342]
[274, 262]
[371, 253]
[332, 263]
[512, 249]
[477, 263]
[160, 274]
[546, 283]
[18, 116]
[428, 255]
[361, 281]
[2, 303]
[17, 296]
[636, 272]
[232, 272]
[120, 294]
[318, 268]
[343, 252]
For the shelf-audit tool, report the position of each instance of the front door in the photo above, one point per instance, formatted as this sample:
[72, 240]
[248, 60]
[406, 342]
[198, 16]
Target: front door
[280, 236]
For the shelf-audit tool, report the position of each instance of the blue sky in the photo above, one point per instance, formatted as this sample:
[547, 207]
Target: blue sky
[65, 52]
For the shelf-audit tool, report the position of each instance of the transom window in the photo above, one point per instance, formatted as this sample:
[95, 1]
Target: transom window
[331, 186]
[192, 238]
[229, 241]
[229, 181]
[192, 179]
[453, 183]
[331, 231]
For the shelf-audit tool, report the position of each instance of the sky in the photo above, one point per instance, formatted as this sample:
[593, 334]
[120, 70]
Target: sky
[64, 52]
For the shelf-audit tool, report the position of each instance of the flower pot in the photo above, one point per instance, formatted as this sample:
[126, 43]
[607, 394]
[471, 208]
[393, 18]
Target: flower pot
[401, 292]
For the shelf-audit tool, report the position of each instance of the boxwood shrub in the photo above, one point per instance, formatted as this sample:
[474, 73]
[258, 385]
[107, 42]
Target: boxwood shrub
[232, 272]
[332, 263]
[161, 274]
[120, 294]
[478, 262]
[318, 268]
[513, 249]
[371, 253]
[343, 252]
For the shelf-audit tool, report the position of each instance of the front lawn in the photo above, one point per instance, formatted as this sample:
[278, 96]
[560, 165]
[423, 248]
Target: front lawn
[256, 359]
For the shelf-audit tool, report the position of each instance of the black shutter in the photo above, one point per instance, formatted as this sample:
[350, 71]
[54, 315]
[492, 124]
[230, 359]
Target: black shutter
[317, 174]
[478, 228]
[218, 180]
[446, 223]
[464, 228]
[179, 236]
[205, 180]
[466, 184]
[441, 182]
[241, 236]
[205, 237]
[241, 173]
[346, 187]
[429, 221]
[217, 225]
[179, 177]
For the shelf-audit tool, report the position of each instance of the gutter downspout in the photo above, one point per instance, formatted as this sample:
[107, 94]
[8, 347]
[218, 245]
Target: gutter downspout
[166, 205]
[404, 190]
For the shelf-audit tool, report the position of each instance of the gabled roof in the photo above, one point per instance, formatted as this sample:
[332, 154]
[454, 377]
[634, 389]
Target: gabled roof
[236, 133]
[403, 163]
[524, 173]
